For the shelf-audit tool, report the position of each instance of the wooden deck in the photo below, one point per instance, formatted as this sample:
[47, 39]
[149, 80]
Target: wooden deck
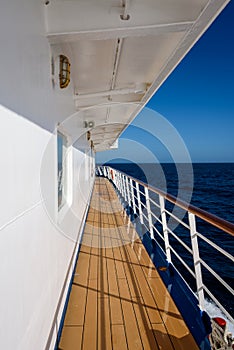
[118, 300]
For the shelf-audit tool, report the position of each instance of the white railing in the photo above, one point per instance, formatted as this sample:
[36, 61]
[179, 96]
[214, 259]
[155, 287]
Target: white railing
[149, 204]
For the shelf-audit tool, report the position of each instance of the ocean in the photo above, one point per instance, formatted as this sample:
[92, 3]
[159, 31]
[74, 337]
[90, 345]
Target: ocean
[209, 186]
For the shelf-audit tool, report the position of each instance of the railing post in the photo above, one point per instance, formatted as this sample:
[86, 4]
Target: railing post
[133, 197]
[118, 181]
[196, 259]
[149, 213]
[165, 229]
[122, 185]
[108, 173]
[128, 192]
[139, 202]
[124, 188]
[104, 171]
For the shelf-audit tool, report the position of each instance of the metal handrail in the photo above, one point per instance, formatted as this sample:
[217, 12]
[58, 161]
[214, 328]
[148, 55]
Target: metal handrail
[212, 219]
[202, 214]
[125, 185]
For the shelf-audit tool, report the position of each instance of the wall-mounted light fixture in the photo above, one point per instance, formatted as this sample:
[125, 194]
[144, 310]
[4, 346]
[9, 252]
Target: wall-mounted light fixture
[89, 124]
[64, 71]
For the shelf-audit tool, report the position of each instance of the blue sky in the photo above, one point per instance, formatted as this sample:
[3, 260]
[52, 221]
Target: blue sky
[197, 99]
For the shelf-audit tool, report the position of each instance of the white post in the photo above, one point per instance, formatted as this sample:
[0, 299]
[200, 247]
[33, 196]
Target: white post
[122, 185]
[133, 197]
[108, 173]
[128, 192]
[164, 226]
[124, 188]
[118, 181]
[149, 213]
[104, 171]
[196, 259]
[139, 202]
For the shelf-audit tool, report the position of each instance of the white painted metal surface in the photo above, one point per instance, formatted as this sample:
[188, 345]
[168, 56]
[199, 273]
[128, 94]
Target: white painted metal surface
[139, 203]
[35, 249]
[165, 229]
[149, 215]
[196, 260]
[119, 45]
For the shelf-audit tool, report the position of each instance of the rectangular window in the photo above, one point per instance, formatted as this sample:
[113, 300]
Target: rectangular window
[62, 169]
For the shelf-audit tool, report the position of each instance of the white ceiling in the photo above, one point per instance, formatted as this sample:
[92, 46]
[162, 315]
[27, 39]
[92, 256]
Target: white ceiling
[122, 61]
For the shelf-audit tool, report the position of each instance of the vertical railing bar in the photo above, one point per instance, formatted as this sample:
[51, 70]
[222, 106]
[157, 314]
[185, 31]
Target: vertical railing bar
[117, 180]
[196, 259]
[120, 184]
[139, 202]
[133, 197]
[128, 192]
[113, 176]
[149, 213]
[124, 187]
[165, 228]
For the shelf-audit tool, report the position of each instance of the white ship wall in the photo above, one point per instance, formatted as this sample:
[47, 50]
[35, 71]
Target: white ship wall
[34, 252]
[36, 242]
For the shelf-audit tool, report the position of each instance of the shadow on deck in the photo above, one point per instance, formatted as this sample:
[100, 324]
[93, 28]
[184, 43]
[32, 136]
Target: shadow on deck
[118, 300]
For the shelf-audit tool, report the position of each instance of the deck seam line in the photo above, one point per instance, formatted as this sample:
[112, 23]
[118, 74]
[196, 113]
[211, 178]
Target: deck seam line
[117, 281]
[109, 292]
[136, 279]
[129, 287]
[86, 299]
[150, 290]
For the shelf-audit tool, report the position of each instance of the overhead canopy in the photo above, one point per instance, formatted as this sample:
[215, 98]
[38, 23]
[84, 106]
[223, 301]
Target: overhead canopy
[122, 51]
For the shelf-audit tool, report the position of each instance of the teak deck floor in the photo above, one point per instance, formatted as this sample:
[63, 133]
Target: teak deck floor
[118, 300]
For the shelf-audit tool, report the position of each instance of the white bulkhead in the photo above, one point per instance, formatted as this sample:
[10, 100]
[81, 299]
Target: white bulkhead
[119, 55]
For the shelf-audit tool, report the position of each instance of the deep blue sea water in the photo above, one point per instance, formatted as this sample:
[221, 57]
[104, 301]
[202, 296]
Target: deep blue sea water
[211, 187]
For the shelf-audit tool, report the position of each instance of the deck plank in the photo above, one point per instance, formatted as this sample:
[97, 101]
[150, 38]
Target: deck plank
[119, 337]
[71, 338]
[91, 314]
[130, 322]
[115, 303]
[117, 300]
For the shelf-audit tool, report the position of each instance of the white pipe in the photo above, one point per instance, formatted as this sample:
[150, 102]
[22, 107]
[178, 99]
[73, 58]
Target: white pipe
[141, 89]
